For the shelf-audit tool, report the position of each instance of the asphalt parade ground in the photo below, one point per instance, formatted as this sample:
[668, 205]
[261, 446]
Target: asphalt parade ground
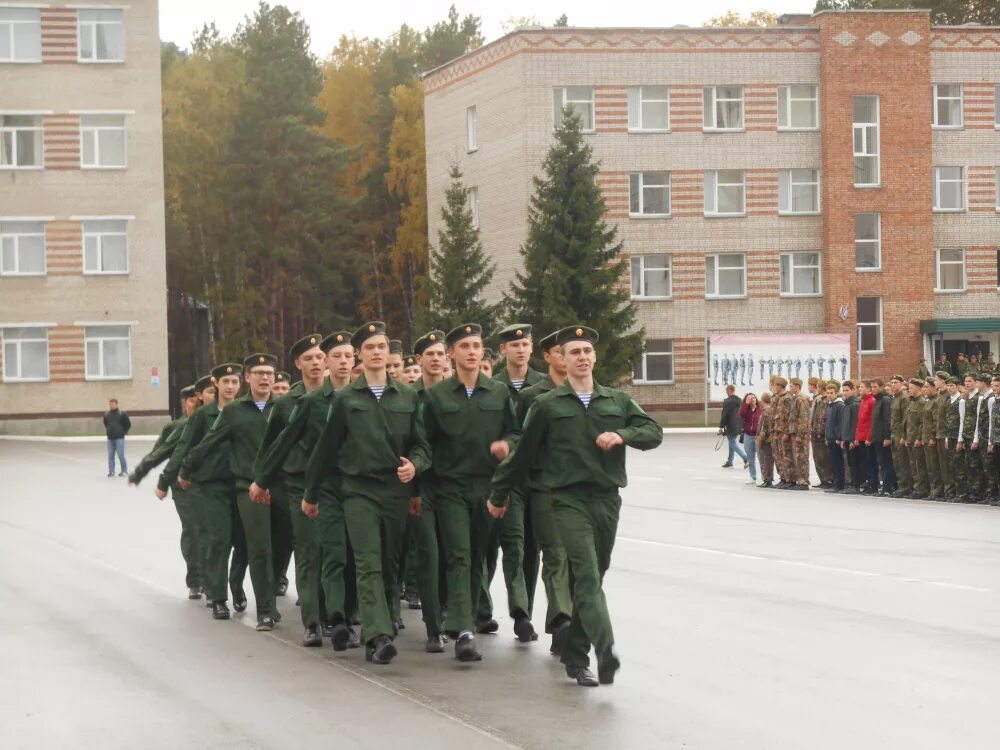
[744, 618]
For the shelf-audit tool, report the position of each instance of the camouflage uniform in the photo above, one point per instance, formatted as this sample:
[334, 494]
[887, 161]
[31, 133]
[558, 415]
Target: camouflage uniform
[976, 458]
[990, 459]
[780, 445]
[901, 453]
[798, 443]
[969, 457]
[765, 454]
[817, 426]
[956, 460]
[941, 432]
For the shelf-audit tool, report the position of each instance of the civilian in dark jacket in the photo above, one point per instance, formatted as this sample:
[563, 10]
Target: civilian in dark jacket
[849, 430]
[881, 452]
[834, 417]
[731, 424]
[116, 426]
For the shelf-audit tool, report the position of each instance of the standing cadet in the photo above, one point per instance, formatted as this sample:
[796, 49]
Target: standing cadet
[928, 436]
[471, 427]
[394, 364]
[943, 365]
[848, 432]
[541, 519]
[817, 430]
[969, 423]
[765, 454]
[282, 385]
[882, 438]
[954, 443]
[780, 437]
[281, 516]
[941, 402]
[900, 450]
[374, 446]
[990, 457]
[834, 444]
[977, 451]
[237, 433]
[581, 428]
[914, 431]
[799, 436]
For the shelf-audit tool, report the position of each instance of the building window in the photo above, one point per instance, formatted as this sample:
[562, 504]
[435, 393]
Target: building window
[649, 109]
[869, 324]
[105, 246]
[798, 191]
[651, 276]
[950, 270]
[109, 355]
[657, 362]
[947, 105]
[470, 129]
[22, 248]
[725, 275]
[949, 188]
[474, 206]
[101, 35]
[996, 107]
[725, 192]
[866, 138]
[798, 108]
[25, 354]
[649, 194]
[867, 242]
[723, 108]
[20, 35]
[579, 99]
[20, 141]
[102, 140]
[800, 274]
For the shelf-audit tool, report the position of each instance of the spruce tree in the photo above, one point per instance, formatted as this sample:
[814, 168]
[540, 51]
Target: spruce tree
[572, 266]
[460, 271]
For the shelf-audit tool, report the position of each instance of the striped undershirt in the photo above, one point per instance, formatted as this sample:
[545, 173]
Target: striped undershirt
[518, 384]
[469, 391]
[260, 404]
[378, 390]
[585, 398]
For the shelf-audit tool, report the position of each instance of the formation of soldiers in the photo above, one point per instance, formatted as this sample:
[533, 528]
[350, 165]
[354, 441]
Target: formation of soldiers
[397, 477]
[932, 438]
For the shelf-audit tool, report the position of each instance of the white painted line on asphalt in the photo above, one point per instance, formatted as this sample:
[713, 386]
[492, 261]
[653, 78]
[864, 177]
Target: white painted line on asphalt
[811, 566]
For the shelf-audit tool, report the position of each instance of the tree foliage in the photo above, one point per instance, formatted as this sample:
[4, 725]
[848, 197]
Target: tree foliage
[733, 18]
[945, 12]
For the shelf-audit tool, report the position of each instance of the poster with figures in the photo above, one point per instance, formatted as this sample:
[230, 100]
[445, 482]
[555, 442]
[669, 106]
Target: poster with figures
[748, 360]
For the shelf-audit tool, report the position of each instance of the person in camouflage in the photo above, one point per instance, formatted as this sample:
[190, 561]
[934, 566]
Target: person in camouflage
[799, 435]
[928, 436]
[990, 457]
[817, 429]
[941, 432]
[780, 437]
[954, 444]
[914, 430]
[765, 454]
[900, 450]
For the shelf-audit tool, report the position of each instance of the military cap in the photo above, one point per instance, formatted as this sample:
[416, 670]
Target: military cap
[942, 374]
[188, 391]
[230, 368]
[489, 354]
[548, 342]
[577, 333]
[304, 344]
[335, 339]
[395, 346]
[365, 332]
[410, 360]
[953, 380]
[796, 381]
[428, 339]
[982, 377]
[813, 381]
[778, 380]
[514, 331]
[463, 331]
[917, 382]
[282, 377]
[260, 359]
[900, 378]
[202, 383]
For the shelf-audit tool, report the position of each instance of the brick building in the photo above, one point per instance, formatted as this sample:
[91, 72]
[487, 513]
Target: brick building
[836, 173]
[82, 259]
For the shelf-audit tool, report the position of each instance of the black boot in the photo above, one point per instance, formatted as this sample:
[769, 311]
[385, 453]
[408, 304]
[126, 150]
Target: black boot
[220, 611]
[312, 638]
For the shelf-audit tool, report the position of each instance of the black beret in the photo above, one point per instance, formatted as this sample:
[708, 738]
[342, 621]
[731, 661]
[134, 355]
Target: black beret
[260, 359]
[304, 344]
[463, 331]
[202, 383]
[917, 382]
[577, 333]
[335, 339]
[428, 339]
[514, 331]
[229, 368]
[395, 346]
[188, 391]
[365, 332]
[549, 341]
[410, 360]
[282, 377]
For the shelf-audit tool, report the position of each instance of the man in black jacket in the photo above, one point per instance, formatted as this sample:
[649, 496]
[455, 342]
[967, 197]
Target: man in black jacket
[731, 425]
[116, 426]
[881, 450]
[848, 429]
[834, 415]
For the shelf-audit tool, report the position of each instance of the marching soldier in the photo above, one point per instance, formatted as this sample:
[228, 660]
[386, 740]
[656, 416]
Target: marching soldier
[411, 369]
[799, 436]
[282, 385]
[900, 449]
[394, 365]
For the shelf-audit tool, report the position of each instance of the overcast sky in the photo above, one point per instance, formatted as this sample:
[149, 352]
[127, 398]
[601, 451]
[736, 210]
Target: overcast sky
[328, 19]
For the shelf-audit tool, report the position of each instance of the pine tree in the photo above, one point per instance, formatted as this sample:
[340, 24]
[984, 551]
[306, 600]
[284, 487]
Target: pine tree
[572, 270]
[460, 269]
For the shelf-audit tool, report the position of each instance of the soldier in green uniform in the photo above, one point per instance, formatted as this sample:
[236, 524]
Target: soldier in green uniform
[817, 432]
[394, 365]
[374, 446]
[191, 537]
[954, 419]
[900, 449]
[282, 385]
[411, 369]
[471, 427]
[990, 458]
[969, 423]
[980, 438]
[555, 566]
[237, 433]
[943, 365]
[914, 424]
[941, 433]
[928, 437]
[961, 366]
[923, 373]
[581, 429]
[281, 516]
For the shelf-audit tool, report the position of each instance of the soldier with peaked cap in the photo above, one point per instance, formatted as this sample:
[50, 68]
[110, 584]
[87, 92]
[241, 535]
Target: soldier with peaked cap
[581, 429]
[374, 446]
[780, 436]
[914, 432]
[237, 433]
[799, 435]
[282, 384]
[471, 427]
[900, 448]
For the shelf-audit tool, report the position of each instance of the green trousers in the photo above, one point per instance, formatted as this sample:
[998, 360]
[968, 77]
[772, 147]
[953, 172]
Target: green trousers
[587, 527]
[305, 542]
[918, 470]
[957, 461]
[192, 536]
[426, 563]
[337, 573]
[256, 518]
[944, 462]
[376, 529]
[408, 558]
[935, 481]
[506, 534]
[555, 566]
[532, 555]
[901, 463]
[222, 532]
[992, 480]
[974, 471]
[465, 526]
[282, 535]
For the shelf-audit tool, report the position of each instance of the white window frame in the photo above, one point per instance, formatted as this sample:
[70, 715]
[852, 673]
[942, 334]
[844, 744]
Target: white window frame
[877, 241]
[716, 275]
[961, 107]
[640, 261]
[786, 89]
[878, 325]
[937, 270]
[474, 206]
[44, 336]
[716, 185]
[866, 150]
[92, 27]
[636, 98]
[102, 339]
[792, 266]
[95, 131]
[640, 378]
[937, 189]
[787, 183]
[37, 22]
[39, 129]
[100, 247]
[642, 198]
[711, 124]
[471, 144]
[556, 121]
[17, 242]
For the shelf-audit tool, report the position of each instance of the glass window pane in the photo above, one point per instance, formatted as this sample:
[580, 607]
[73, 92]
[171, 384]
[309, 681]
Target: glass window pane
[806, 280]
[103, 226]
[116, 358]
[557, 105]
[654, 115]
[10, 361]
[657, 283]
[868, 309]
[710, 184]
[869, 339]
[634, 193]
[109, 41]
[804, 198]
[865, 170]
[585, 112]
[636, 264]
[93, 359]
[114, 253]
[730, 199]
[951, 276]
[950, 195]
[8, 257]
[27, 37]
[866, 255]
[709, 275]
[730, 115]
[32, 254]
[866, 226]
[803, 114]
[112, 148]
[786, 276]
[90, 254]
[92, 332]
[88, 141]
[731, 282]
[783, 107]
[86, 40]
[659, 367]
[28, 144]
[866, 109]
[708, 107]
[6, 51]
[34, 359]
